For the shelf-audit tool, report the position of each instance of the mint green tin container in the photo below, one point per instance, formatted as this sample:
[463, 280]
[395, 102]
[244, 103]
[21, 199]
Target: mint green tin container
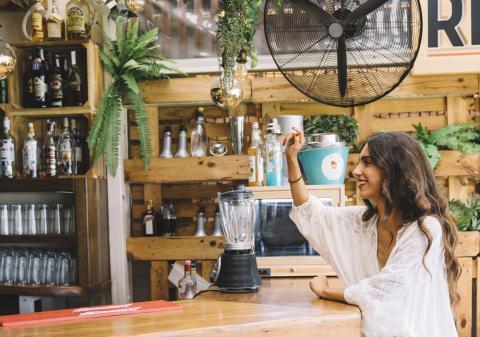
[324, 165]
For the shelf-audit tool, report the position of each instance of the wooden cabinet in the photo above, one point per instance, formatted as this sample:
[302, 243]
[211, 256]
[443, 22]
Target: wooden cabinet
[89, 243]
[88, 192]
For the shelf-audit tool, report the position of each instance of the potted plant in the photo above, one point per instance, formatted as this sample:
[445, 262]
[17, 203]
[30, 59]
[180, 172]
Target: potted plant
[344, 126]
[466, 214]
[464, 138]
[129, 59]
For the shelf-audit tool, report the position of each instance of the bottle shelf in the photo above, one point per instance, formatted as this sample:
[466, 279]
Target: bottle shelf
[65, 239]
[175, 247]
[58, 184]
[53, 112]
[190, 169]
[42, 290]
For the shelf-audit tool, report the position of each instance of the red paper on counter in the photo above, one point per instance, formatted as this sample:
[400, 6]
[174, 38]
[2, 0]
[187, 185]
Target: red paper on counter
[87, 312]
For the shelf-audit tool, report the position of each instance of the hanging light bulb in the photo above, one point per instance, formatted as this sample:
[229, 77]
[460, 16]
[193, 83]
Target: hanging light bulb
[135, 6]
[7, 60]
[241, 71]
[226, 94]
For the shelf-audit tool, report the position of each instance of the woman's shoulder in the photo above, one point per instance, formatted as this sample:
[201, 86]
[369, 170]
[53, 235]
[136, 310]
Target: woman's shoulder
[432, 223]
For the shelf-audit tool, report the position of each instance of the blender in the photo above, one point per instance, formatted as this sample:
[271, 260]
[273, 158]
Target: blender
[236, 269]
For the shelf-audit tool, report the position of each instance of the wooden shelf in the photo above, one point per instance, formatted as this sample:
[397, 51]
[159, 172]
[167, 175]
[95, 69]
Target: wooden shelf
[191, 169]
[63, 239]
[62, 43]
[30, 290]
[60, 184]
[453, 163]
[52, 112]
[175, 248]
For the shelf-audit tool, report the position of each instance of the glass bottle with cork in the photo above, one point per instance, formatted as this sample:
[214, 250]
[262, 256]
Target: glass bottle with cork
[38, 22]
[7, 151]
[186, 285]
[30, 154]
[55, 24]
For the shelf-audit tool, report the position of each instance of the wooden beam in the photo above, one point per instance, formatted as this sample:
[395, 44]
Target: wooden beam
[464, 308]
[187, 169]
[454, 163]
[468, 244]
[175, 248]
[159, 280]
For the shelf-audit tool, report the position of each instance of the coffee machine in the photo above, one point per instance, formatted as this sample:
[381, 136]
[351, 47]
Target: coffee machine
[236, 269]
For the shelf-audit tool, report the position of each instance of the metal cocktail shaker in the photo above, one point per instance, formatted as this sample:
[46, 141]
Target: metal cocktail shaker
[237, 131]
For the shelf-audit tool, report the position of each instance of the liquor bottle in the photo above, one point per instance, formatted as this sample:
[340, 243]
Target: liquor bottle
[50, 151]
[186, 290]
[274, 160]
[194, 275]
[28, 83]
[7, 151]
[150, 220]
[38, 21]
[56, 85]
[199, 136]
[255, 158]
[3, 91]
[65, 151]
[29, 154]
[39, 80]
[201, 222]
[168, 223]
[80, 164]
[55, 24]
[73, 83]
[79, 20]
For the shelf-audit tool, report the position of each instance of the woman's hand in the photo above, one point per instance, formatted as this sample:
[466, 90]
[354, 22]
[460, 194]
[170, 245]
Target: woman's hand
[318, 285]
[293, 143]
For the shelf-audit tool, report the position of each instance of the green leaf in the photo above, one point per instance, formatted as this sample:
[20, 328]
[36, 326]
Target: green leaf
[141, 118]
[131, 83]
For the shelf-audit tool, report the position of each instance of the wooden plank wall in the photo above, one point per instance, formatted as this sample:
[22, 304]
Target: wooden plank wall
[434, 101]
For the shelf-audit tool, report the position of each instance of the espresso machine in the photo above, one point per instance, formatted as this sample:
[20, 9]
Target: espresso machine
[236, 269]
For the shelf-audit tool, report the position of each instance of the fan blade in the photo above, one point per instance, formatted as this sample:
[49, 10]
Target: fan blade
[363, 10]
[310, 7]
[342, 65]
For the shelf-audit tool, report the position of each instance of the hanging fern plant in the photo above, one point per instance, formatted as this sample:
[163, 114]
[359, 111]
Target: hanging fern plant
[129, 59]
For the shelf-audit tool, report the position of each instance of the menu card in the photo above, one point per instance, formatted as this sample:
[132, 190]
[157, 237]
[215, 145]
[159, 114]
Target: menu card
[87, 312]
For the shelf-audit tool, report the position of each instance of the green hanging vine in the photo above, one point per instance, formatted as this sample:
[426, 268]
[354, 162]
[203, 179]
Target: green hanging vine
[129, 59]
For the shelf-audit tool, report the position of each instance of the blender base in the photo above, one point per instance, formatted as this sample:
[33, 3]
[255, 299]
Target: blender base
[238, 272]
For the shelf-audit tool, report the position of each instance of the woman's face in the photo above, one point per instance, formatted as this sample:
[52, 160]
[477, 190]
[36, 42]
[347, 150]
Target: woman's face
[369, 177]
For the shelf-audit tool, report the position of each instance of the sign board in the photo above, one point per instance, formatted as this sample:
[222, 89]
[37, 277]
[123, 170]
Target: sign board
[450, 39]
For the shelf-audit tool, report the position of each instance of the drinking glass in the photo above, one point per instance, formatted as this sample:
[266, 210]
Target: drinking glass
[50, 268]
[4, 220]
[68, 221]
[62, 269]
[42, 219]
[8, 267]
[55, 219]
[29, 221]
[34, 268]
[3, 257]
[73, 270]
[15, 219]
[21, 264]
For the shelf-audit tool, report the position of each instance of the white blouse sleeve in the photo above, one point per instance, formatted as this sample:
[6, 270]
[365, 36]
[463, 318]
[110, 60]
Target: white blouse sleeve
[381, 297]
[331, 231]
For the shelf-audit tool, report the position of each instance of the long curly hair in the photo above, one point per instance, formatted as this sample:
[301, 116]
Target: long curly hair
[409, 186]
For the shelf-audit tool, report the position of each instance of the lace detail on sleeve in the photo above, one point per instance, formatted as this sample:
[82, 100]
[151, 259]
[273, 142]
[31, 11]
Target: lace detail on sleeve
[381, 297]
[319, 223]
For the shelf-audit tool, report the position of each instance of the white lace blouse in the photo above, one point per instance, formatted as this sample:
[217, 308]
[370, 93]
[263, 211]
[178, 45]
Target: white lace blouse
[402, 299]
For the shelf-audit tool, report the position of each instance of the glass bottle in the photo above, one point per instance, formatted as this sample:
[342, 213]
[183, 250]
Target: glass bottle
[78, 20]
[30, 152]
[50, 151]
[186, 289]
[167, 143]
[199, 136]
[255, 158]
[38, 22]
[73, 83]
[150, 220]
[201, 220]
[7, 151]
[39, 80]
[182, 143]
[217, 223]
[79, 143]
[169, 221]
[3, 91]
[55, 24]
[65, 151]
[28, 83]
[56, 85]
[274, 160]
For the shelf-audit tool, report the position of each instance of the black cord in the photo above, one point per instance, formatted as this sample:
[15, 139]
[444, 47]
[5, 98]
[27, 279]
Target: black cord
[207, 290]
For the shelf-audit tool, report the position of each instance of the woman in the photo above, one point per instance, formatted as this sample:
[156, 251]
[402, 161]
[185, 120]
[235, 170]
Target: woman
[396, 255]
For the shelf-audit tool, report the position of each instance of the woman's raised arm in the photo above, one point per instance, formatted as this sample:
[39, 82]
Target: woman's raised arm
[293, 143]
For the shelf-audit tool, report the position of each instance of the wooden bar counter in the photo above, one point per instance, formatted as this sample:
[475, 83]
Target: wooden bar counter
[282, 307]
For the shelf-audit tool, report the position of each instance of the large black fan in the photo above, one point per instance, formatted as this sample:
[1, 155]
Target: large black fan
[344, 52]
